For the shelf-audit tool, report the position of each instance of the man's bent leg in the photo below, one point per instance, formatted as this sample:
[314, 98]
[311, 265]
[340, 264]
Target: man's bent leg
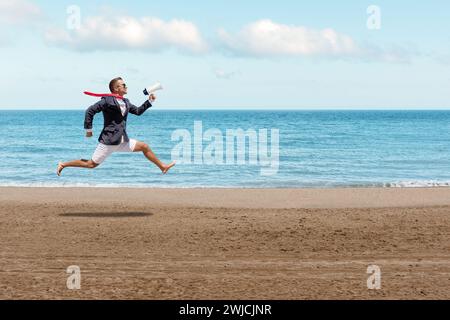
[82, 163]
[148, 153]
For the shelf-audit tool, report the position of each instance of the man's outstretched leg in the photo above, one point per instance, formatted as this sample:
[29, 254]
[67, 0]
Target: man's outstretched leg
[148, 153]
[89, 164]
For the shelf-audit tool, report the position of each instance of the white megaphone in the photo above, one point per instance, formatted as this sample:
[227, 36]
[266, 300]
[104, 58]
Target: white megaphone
[149, 90]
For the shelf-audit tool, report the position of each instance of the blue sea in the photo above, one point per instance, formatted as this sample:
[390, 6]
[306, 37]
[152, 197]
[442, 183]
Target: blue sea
[321, 149]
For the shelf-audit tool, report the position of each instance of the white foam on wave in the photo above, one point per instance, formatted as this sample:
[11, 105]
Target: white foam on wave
[398, 184]
[105, 185]
[417, 184]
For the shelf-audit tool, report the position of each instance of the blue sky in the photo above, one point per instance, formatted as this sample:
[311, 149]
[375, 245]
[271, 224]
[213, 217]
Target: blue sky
[228, 54]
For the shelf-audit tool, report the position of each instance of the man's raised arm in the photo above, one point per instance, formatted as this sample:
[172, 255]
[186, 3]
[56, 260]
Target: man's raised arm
[138, 111]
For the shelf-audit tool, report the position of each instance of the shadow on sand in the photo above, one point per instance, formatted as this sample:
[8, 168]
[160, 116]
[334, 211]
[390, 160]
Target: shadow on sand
[105, 214]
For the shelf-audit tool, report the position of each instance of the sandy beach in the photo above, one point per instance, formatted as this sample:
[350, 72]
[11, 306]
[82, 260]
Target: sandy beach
[224, 243]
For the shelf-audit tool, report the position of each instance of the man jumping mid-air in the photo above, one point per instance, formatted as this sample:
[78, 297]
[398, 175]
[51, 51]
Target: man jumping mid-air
[113, 137]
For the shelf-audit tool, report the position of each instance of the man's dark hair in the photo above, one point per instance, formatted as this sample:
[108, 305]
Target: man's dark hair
[112, 83]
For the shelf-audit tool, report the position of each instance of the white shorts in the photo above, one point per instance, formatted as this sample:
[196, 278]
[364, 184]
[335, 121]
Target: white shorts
[103, 151]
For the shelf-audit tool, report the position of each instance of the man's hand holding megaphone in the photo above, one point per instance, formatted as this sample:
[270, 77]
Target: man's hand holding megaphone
[150, 91]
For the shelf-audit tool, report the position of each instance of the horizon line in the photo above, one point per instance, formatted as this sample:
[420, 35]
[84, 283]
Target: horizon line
[254, 109]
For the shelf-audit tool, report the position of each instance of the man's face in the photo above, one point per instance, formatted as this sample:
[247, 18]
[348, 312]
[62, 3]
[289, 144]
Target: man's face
[120, 88]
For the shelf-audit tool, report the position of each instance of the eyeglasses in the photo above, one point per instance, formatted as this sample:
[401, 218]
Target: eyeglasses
[123, 85]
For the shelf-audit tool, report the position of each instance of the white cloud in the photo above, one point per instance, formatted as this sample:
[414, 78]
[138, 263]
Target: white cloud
[266, 38]
[16, 12]
[222, 74]
[123, 33]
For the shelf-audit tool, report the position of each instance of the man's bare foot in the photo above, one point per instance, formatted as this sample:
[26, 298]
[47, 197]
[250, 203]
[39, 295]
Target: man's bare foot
[60, 168]
[167, 167]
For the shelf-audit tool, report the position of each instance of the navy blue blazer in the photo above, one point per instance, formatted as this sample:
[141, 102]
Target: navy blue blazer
[115, 124]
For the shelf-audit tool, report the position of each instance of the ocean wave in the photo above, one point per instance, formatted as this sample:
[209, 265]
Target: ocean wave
[417, 184]
[399, 184]
[110, 185]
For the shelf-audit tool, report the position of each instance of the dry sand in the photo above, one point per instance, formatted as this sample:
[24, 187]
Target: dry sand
[224, 243]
